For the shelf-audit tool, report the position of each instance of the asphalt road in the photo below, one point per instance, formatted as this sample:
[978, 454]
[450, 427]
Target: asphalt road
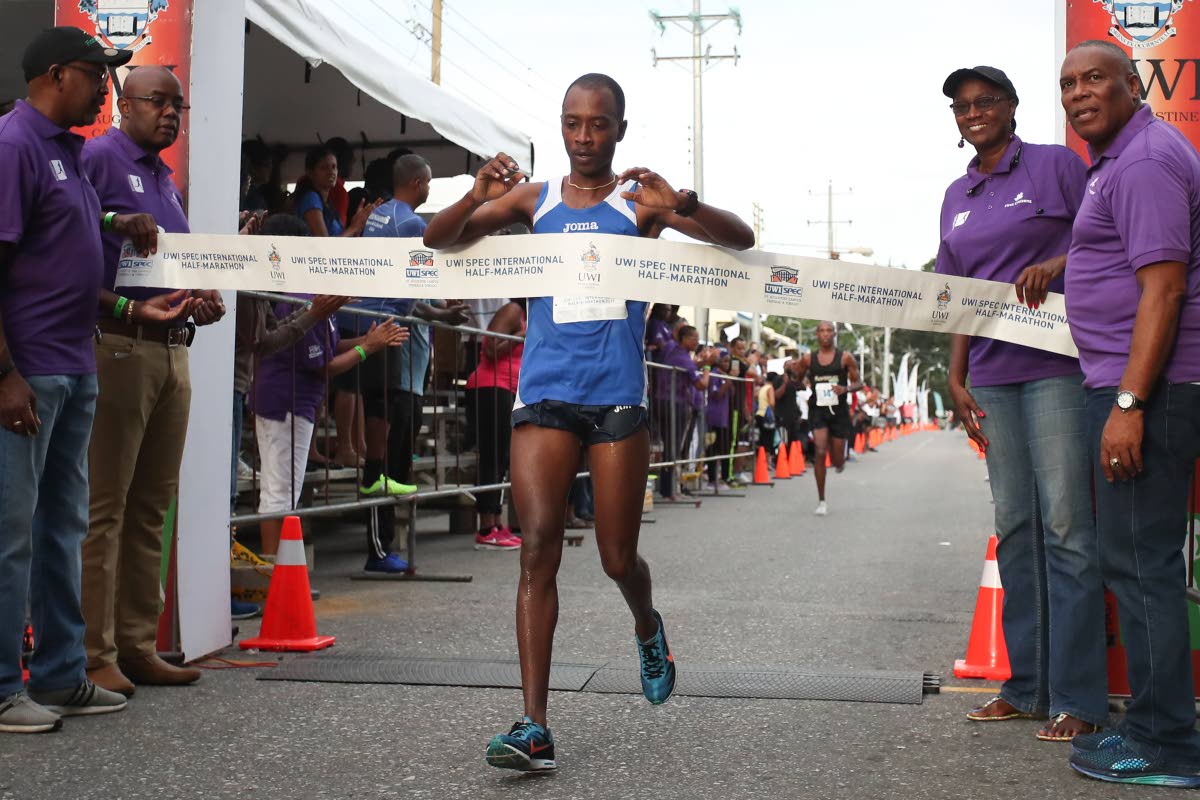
[886, 582]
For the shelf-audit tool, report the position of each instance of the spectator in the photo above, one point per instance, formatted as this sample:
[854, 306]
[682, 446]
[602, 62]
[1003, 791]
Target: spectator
[265, 191]
[52, 264]
[491, 391]
[260, 333]
[658, 331]
[338, 199]
[764, 411]
[717, 417]
[674, 394]
[311, 198]
[393, 383]
[288, 388]
[144, 400]
[1133, 304]
[787, 410]
[1024, 408]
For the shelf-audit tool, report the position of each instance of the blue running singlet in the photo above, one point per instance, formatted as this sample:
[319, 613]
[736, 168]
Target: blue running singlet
[588, 350]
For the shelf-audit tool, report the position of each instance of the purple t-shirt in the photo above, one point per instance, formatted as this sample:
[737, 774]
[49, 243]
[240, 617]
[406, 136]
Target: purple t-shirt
[994, 226]
[51, 289]
[658, 332]
[129, 180]
[1142, 207]
[675, 355]
[717, 412]
[293, 379]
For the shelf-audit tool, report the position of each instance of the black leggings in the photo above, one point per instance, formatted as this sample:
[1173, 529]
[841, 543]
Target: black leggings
[719, 447]
[490, 410]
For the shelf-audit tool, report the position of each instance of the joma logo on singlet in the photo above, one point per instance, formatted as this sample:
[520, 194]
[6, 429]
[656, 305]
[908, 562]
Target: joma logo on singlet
[571, 227]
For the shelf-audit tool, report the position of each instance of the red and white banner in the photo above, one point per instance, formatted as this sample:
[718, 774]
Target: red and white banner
[159, 32]
[1163, 38]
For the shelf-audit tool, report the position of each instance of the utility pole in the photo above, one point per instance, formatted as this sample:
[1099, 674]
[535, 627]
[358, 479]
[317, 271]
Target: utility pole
[698, 24]
[756, 318]
[829, 221]
[435, 72]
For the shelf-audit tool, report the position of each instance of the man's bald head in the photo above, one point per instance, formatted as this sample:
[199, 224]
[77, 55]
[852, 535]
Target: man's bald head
[152, 107]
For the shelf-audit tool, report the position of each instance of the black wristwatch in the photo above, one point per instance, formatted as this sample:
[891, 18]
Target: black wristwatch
[1128, 401]
[693, 202]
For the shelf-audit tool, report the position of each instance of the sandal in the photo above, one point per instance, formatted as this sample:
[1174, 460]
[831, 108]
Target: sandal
[992, 711]
[1065, 728]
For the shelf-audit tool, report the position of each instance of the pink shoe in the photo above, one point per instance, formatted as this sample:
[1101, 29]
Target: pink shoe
[496, 539]
[507, 531]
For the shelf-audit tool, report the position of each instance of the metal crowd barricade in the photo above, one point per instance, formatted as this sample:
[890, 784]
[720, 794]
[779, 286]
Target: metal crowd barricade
[454, 415]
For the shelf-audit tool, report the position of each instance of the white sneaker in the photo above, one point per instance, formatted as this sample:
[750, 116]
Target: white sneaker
[821, 509]
[745, 477]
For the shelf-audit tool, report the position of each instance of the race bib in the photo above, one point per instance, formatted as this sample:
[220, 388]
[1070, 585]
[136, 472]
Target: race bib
[588, 309]
[825, 395]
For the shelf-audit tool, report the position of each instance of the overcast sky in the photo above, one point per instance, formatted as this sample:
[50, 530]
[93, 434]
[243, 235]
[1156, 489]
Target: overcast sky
[835, 90]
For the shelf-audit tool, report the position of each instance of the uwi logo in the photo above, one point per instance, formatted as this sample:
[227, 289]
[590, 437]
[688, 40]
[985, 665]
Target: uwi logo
[1142, 24]
[420, 264]
[943, 297]
[123, 24]
[590, 260]
[784, 275]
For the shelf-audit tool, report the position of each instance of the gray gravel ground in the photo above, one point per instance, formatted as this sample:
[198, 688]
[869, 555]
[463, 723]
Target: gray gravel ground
[886, 581]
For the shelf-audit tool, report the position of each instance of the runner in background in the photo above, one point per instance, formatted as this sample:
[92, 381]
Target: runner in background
[832, 373]
[598, 404]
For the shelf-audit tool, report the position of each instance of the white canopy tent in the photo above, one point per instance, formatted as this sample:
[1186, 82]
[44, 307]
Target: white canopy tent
[321, 72]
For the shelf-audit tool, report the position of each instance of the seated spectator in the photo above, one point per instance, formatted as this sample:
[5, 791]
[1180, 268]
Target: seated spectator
[491, 392]
[311, 198]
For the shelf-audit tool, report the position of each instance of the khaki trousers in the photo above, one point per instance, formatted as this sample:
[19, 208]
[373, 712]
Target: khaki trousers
[133, 459]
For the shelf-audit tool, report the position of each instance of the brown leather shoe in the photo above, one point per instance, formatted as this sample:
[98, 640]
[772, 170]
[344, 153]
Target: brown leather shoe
[153, 671]
[110, 677]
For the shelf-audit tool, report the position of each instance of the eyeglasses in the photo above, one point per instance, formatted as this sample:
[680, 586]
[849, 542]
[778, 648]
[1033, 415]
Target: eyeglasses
[985, 103]
[97, 77]
[160, 102]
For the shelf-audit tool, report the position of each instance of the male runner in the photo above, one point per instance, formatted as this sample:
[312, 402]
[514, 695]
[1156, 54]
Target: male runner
[833, 374]
[582, 384]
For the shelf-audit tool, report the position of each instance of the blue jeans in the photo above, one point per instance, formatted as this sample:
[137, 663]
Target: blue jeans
[1143, 527]
[1037, 461]
[43, 520]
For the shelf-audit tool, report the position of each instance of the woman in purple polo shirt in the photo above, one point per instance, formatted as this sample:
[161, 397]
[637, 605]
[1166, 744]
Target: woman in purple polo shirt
[1009, 219]
[288, 389]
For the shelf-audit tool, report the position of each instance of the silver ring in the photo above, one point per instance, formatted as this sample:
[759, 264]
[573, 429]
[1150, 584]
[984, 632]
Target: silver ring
[1114, 462]
[18, 424]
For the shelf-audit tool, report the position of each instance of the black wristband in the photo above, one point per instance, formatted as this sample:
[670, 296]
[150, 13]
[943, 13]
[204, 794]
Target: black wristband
[693, 202]
[8, 369]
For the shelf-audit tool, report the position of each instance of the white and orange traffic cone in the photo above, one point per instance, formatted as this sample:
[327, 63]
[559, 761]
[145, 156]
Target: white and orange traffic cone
[288, 621]
[987, 655]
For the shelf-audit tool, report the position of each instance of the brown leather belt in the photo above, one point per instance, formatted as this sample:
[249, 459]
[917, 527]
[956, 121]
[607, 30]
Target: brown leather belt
[171, 337]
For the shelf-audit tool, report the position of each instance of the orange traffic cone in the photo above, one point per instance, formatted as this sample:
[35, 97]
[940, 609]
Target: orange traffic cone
[760, 467]
[987, 656]
[288, 621]
[796, 459]
[782, 471]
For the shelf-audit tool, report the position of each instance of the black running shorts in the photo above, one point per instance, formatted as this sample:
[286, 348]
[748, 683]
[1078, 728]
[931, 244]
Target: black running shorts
[592, 424]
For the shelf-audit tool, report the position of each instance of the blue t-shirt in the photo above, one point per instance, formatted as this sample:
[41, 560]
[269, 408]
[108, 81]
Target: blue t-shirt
[309, 201]
[592, 354]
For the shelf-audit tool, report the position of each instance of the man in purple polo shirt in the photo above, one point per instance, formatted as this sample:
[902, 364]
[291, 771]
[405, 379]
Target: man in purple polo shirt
[145, 396]
[1133, 303]
[51, 267]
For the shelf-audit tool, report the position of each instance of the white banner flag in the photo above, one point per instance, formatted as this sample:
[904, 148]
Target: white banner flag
[574, 265]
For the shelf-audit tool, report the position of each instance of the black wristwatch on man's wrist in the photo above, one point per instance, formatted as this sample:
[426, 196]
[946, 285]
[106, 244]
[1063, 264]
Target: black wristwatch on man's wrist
[690, 204]
[1128, 401]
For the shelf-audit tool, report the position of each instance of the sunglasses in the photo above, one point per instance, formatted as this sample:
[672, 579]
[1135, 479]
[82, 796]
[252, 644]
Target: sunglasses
[161, 101]
[984, 103]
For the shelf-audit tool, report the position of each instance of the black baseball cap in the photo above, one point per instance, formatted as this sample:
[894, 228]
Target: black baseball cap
[64, 44]
[989, 74]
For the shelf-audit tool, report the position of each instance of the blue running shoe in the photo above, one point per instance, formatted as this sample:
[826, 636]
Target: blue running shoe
[1100, 740]
[527, 747]
[658, 666]
[1120, 764]
[393, 564]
